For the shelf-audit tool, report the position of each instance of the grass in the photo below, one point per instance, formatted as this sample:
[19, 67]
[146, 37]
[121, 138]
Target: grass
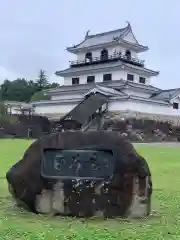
[163, 223]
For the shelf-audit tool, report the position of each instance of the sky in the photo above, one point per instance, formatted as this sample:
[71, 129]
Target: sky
[35, 34]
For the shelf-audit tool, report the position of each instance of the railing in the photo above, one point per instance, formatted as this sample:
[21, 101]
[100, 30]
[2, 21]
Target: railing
[108, 58]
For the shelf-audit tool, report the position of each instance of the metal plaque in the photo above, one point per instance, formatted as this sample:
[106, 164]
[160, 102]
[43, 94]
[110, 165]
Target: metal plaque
[77, 164]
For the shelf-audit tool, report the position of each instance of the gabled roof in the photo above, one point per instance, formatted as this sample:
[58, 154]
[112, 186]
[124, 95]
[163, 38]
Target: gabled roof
[166, 95]
[107, 91]
[106, 38]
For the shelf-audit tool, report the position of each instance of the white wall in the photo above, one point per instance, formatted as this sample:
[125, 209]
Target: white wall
[54, 109]
[116, 75]
[97, 53]
[143, 107]
[118, 46]
[131, 105]
[66, 96]
[13, 110]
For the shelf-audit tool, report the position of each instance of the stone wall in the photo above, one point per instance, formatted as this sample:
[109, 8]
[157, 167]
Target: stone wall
[25, 127]
[174, 120]
[143, 127]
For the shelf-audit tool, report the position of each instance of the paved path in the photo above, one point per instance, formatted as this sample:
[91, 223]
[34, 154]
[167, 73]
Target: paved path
[168, 144]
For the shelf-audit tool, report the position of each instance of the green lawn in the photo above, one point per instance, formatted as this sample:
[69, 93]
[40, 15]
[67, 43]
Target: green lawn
[164, 222]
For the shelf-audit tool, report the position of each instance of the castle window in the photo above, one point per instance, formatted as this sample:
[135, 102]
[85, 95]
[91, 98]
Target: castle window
[142, 80]
[176, 105]
[90, 79]
[75, 80]
[130, 77]
[128, 54]
[88, 56]
[104, 54]
[107, 77]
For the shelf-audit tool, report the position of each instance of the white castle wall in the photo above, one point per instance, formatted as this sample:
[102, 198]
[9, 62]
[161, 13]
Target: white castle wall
[123, 105]
[116, 75]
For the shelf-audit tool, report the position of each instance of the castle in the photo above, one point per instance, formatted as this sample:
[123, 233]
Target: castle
[108, 63]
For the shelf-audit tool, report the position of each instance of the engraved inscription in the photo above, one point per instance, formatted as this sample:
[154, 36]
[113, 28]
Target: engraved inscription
[86, 164]
[58, 162]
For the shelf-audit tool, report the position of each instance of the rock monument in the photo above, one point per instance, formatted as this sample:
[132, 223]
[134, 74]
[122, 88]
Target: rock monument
[82, 174]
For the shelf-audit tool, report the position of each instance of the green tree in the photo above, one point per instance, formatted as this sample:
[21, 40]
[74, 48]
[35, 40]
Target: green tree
[5, 87]
[39, 96]
[23, 90]
[42, 80]
[53, 85]
[17, 90]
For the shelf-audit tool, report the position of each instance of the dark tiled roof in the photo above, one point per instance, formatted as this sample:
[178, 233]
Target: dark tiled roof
[104, 38]
[143, 86]
[101, 38]
[160, 96]
[142, 99]
[166, 95]
[119, 84]
[103, 66]
[89, 67]
[148, 100]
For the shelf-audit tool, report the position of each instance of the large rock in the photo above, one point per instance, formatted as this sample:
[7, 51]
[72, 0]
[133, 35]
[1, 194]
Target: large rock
[82, 174]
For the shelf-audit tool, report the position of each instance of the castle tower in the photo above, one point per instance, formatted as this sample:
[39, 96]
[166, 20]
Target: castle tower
[108, 56]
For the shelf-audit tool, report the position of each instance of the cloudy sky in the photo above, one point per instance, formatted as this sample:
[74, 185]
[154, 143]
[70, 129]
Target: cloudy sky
[35, 33]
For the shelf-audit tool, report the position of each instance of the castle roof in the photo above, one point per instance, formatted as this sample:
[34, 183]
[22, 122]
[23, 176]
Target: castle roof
[109, 37]
[166, 95]
[99, 67]
[116, 85]
[107, 91]
[114, 90]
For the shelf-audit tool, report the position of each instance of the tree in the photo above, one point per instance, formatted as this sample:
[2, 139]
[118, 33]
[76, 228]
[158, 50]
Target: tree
[39, 96]
[5, 87]
[53, 85]
[42, 80]
[23, 90]
[17, 90]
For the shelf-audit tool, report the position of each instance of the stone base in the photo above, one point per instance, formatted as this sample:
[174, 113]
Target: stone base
[90, 199]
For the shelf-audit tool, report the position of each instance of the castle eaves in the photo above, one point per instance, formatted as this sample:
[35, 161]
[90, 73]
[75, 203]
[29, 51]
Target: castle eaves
[166, 95]
[107, 91]
[83, 88]
[105, 38]
[100, 67]
[78, 100]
